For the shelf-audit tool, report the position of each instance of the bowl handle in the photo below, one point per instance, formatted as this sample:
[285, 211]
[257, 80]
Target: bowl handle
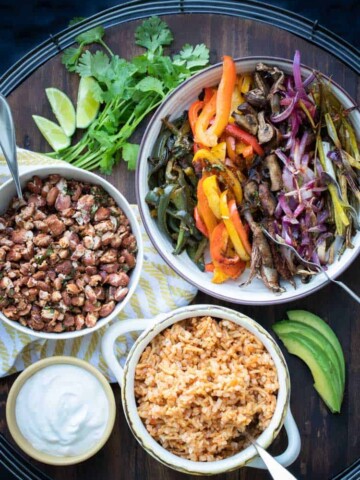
[110, 337]
[293, 449]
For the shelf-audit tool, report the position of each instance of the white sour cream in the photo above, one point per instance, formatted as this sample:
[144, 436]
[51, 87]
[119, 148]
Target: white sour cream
[62, 410]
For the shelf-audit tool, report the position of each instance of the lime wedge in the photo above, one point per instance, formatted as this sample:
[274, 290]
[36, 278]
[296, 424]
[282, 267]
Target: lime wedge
[87, 107]
[63, 109]
[52, 132]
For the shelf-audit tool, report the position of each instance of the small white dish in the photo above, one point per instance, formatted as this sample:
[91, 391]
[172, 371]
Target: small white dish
[256, 293]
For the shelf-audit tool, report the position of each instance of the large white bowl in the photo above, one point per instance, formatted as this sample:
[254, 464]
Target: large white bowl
[256, 292]
[7, 192]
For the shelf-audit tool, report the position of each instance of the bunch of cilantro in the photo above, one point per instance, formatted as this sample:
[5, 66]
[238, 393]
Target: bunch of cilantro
[127, 90]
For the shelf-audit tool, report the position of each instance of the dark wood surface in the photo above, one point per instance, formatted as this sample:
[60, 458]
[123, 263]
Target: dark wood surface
[329, 442]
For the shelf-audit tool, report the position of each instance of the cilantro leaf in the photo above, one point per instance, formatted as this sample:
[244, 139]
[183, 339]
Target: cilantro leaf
[130, 153]
[76, 20]
[70, 57]
[151, 84]
[93, 35]
[93, 65]
[193, 58]
[152, 34]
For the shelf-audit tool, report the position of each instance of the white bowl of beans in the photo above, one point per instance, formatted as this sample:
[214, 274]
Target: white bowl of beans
[70, 255]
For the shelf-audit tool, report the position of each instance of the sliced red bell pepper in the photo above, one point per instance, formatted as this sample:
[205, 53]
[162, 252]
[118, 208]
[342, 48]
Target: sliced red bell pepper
[246, 137]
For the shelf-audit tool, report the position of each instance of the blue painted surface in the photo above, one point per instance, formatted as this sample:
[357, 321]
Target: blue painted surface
[26, 23]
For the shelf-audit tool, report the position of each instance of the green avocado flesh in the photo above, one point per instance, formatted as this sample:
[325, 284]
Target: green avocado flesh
[316, 322]
[287, 326]
[322, 369]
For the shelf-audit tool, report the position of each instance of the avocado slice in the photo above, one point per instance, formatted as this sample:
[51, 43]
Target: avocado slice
[287, 326]
[318, 323]
[322, 370]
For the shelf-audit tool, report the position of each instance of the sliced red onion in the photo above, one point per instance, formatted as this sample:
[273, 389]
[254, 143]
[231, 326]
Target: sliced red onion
[309, 79]
[318, 229]
[297, 71]
[280, 117]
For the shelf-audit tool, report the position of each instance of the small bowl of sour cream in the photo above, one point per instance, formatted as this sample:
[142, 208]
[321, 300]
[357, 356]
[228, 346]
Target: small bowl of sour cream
[60, 410]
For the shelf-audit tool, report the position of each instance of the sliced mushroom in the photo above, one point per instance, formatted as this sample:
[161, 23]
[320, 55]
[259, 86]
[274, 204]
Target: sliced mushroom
[248, 122]
[245, 107]
[265, 131]
[275, 103]
[273, 166]
[256, 98]
[268, 202]
[261, 83]
[275, 73]
[251, 192]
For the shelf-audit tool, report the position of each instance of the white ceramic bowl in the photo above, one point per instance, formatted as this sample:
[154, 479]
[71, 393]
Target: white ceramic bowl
[256, 292]
[7, 192]
[125, 377]
[15, 431]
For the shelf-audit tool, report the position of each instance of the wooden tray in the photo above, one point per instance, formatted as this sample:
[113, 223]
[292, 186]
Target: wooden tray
[329, 442]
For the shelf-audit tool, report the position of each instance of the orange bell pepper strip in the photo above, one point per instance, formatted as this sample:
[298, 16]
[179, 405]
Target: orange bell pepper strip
[246, 137]
[236, 220]
[221, 108]
[224, 97]
[208, 93]
[200, 225]
[231, 271]
[219, 275]
[194, 112]
[230, 227]
[209, 267]
[203, 122]
[204, 209]
[219, 240]
[230, 148]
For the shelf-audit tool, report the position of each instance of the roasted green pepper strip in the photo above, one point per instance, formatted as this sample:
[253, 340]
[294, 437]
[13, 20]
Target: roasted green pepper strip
[163, 205]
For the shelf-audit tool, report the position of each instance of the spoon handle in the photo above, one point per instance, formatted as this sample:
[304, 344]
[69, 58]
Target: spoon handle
[8, 142]
[277, 471]
[347, 289]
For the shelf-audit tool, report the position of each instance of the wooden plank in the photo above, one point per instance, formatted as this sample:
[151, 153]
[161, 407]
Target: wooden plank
[330, 442]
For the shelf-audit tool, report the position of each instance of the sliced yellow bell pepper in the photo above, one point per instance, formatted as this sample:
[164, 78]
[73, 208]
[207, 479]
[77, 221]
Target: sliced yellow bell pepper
[246, 83]
[212, 192]
[217, 157]
[231, 229]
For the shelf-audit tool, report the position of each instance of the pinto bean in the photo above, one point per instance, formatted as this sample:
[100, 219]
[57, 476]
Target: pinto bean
[35, 185]
[42, 240]
[21, 235]
[107, 309]
[55, 225]
[64, 267]
[102, 213]
[85, 203]
[52, 196]
[91, 319]
[120, 293]
[118, 279]
[110, 256]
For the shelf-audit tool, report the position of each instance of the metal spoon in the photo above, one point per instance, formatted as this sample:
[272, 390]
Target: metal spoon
[318, 267]
[276, 470]
[8, 143]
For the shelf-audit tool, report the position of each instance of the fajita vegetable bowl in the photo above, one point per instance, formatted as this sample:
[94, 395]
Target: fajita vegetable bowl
[197, 383]
[219, 172]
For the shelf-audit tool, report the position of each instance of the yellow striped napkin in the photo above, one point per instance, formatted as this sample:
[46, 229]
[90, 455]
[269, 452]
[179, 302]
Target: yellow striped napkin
[19, 350]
